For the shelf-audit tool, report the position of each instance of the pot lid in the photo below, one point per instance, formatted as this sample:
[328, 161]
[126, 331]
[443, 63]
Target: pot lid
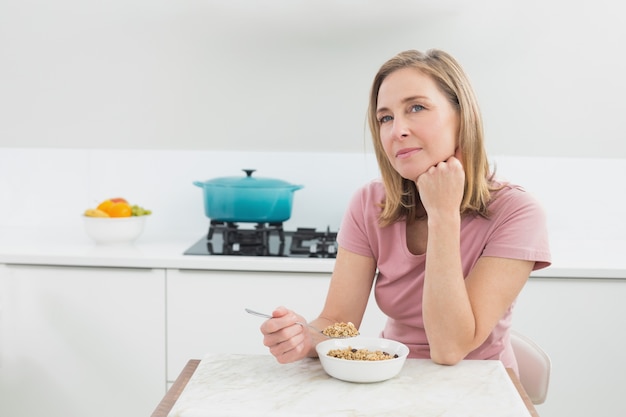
[249, 181]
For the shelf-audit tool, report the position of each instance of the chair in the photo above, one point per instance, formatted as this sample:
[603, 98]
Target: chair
[534, 366]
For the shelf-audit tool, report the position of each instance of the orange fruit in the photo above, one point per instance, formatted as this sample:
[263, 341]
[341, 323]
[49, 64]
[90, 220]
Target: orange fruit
[105, 206]
[120, 210]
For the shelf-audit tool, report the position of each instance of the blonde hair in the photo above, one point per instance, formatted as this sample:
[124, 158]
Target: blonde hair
[402, 196]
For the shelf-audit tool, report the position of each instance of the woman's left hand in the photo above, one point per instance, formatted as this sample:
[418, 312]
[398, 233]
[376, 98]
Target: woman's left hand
[442, 186]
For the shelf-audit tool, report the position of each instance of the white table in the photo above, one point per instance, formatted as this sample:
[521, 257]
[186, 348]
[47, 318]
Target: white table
[256, 385]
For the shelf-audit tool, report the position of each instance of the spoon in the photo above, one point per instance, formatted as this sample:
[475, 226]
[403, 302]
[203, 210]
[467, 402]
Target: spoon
[267, 316]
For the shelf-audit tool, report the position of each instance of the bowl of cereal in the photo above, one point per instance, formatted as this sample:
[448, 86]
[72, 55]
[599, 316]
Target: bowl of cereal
[362, 359]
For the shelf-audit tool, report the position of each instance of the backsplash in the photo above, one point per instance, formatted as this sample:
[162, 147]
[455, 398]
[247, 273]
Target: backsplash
[51, 188]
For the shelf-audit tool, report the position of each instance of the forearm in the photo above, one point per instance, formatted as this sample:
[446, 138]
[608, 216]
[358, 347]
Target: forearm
[448, 317]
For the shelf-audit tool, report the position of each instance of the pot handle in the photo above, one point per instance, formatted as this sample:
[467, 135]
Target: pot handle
[296, 187]
[199, 184]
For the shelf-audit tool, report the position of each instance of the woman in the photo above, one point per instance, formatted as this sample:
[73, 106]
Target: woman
[448, 247]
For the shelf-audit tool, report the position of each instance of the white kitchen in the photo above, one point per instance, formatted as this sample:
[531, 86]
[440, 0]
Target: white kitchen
[140, 99]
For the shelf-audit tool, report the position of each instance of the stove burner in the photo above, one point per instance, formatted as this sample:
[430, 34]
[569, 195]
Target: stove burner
[315, 244]
[251, 242]
[264, 239]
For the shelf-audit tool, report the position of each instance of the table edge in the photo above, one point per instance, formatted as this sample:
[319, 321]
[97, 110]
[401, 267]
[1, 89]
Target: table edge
[522, 392]
[170, 398]
[172, 394]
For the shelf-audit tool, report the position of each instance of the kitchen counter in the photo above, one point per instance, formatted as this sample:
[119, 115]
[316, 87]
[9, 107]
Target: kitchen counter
[256, 385]
[571, 258]
[74, 248]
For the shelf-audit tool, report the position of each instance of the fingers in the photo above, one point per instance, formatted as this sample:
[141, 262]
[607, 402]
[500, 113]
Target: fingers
[453, 161]
[441, 187]
[286, 340]
[276, 333]
[281, 318]
[441, 170]
[280, 312]
[290, 349]
[289, 344]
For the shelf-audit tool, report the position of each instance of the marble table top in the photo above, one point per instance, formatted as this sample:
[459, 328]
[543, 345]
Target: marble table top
[258, 386]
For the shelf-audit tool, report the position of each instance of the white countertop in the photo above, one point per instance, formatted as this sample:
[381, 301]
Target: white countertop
[75, 248]
[256, 385]
[571, 258]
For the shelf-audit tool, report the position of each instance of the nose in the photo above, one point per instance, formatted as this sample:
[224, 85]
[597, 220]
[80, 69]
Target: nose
[400, 129]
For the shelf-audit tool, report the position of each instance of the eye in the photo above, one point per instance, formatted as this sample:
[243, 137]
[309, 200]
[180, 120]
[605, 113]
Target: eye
[416, 108]
[385, 119]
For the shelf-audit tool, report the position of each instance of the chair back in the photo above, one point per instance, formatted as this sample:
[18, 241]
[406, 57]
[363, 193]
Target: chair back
[534, 366]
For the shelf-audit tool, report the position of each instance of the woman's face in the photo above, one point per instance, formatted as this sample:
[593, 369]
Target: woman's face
[418, 125]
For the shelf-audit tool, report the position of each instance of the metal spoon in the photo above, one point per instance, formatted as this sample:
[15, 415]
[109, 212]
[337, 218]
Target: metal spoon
[267, 316]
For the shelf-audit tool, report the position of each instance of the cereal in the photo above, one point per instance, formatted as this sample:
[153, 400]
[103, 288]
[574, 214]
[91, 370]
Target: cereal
[341, 330]
[350, 353]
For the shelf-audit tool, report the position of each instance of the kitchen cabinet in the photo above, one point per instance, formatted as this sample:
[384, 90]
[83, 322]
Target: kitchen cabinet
[580, 323]
[205, 310]
[80, 341]
[93, 330]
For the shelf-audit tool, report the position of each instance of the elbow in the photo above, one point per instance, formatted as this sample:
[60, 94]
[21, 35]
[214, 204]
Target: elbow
[448, 357]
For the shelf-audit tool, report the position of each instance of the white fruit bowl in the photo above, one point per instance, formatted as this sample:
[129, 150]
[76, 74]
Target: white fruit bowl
[114, 230]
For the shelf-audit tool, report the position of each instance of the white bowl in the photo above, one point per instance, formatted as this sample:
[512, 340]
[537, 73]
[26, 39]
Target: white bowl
[362, 370]
[113, 230]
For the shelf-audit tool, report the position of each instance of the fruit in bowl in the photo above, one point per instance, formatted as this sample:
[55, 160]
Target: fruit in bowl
[115, 220]
[116, 207]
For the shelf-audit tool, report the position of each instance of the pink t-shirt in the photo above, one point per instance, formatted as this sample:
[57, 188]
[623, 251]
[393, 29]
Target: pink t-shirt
[516, 229]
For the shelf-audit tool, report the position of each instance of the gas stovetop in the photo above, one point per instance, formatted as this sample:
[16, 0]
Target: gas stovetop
[264, 239]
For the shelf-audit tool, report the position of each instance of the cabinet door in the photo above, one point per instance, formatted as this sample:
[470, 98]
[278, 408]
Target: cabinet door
[206, 314]
[580, 323]
[81, 341]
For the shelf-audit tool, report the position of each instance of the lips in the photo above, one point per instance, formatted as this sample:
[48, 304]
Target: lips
[407, 152]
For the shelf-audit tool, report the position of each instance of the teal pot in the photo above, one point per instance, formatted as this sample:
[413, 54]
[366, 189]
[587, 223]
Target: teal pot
[248, 199]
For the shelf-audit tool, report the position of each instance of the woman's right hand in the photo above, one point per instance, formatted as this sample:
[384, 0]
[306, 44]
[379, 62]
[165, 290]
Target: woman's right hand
[286, 340]
[441, 187]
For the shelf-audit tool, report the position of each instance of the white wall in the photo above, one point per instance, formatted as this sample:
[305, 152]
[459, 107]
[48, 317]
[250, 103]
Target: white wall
[50, 188]
[46, 188]
[294, 76]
